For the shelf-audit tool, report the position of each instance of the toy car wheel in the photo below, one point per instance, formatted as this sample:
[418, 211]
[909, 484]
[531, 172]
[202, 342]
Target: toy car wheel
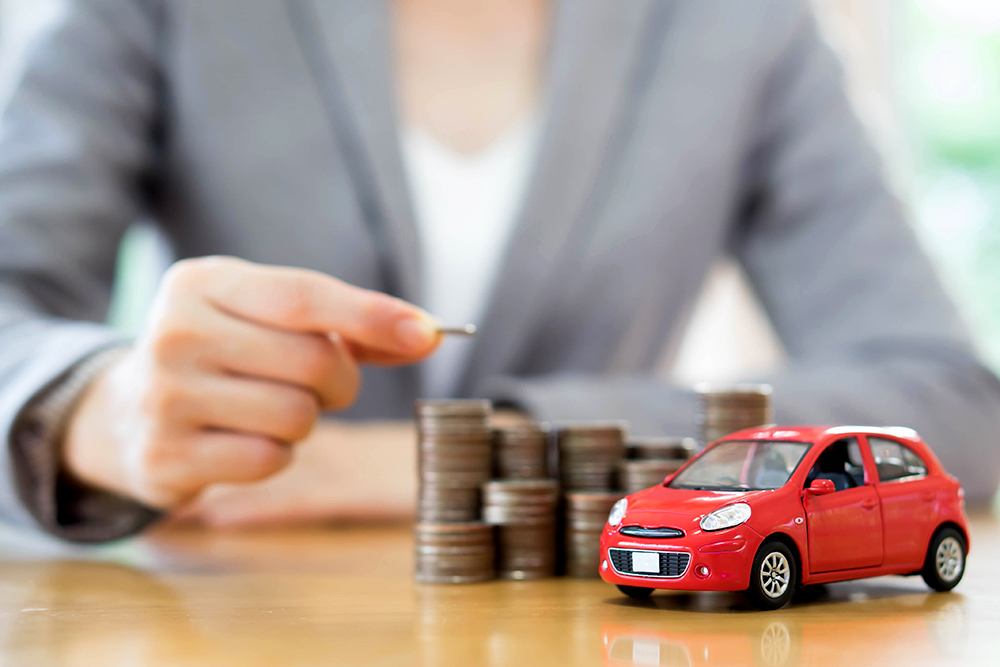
[772, 577]
[945, 563]
[636, 592]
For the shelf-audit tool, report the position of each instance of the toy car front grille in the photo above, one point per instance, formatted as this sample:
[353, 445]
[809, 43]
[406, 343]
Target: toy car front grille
[673, 564]
[653, 533]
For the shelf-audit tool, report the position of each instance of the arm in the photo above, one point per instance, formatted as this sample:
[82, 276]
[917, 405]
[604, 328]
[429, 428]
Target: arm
[870, 335]
[236, 361]
[76, 143]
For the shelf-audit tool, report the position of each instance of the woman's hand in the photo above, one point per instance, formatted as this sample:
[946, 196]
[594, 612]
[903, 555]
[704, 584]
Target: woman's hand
[344, 471]
[237, 362]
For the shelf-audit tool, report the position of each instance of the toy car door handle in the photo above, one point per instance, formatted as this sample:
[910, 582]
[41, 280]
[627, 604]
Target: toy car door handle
[869, 504]
[929, 496]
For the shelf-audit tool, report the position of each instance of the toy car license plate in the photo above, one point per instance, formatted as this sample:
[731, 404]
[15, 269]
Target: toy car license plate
[644, 561]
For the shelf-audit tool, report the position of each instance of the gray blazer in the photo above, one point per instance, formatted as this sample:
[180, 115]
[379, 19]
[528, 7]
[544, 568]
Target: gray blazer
[676, 131]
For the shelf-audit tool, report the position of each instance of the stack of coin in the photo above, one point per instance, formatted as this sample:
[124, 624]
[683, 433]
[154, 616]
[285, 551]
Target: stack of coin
[586, 514]
[635, 475]
[725, 409]
[453, 553]
[660, 448]
[524, 510]
[589, 455]
[520, 452]
[454, 458]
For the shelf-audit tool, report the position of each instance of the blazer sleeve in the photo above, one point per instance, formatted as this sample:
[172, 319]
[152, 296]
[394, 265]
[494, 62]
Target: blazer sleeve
[870, 334]
[77, 148]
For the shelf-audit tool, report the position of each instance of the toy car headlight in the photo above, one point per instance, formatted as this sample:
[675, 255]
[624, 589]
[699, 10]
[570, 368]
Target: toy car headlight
[618, 512]
[725, 517]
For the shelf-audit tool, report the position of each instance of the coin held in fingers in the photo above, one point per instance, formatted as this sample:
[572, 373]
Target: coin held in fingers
[462, 330]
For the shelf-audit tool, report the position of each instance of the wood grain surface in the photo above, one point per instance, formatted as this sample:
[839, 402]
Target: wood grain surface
[344, 596]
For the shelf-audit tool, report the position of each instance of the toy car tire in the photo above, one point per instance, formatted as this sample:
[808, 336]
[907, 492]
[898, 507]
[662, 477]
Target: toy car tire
[636, 592]
[773, 576]
[945, 563]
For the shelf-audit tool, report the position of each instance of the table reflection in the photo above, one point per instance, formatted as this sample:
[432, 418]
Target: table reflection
[915, 629]
[347, 597]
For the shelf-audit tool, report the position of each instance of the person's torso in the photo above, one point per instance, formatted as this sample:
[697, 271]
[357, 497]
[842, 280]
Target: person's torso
[639, 176]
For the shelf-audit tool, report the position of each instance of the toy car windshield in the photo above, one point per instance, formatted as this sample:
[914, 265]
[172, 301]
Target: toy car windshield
[742, 465]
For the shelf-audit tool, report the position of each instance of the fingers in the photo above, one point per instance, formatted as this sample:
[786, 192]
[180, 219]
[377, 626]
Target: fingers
[214, 428]
[233, 457]
[277, 411]
[365, 355]
[309, 301]
[320, 363]
[173, 465]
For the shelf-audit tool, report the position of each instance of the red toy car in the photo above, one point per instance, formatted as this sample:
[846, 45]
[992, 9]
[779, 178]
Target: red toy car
[768, 509]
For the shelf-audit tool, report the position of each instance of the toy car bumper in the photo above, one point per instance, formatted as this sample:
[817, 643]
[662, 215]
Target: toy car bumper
[717, 561]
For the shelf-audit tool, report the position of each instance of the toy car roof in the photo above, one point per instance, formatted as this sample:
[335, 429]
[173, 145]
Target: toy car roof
[813, 433]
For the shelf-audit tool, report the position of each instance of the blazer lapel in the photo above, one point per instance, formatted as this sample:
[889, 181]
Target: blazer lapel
[595, 63]
[357, 35]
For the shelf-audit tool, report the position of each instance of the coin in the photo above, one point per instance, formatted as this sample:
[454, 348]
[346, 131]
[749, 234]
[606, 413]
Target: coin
[521, 452]
[519, 492]
[453, 553]
[454, 457]
[524, 511]
[724, 409]
[636, 475]
[589, 454]
[660, 448]
[586, 515]
[526, 550]
[463, 330]
[437, 408]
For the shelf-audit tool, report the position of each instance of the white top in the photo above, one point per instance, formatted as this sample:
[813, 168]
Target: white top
[465, 208]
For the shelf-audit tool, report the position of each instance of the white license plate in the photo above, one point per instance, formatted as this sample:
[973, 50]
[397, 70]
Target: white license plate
[644, 561]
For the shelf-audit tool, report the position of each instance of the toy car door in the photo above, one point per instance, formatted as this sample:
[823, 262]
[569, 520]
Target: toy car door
[908, 498]
[844, 527]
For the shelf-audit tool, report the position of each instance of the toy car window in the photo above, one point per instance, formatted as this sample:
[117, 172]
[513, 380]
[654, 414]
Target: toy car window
[855, 464]
[895, 461]
[841, 463]
[742, 465]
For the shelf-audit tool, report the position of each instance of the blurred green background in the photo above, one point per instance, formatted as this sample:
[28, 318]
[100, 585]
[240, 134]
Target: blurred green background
[947, 85]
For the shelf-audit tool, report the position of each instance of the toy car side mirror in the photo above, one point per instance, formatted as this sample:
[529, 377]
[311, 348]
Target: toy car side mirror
[821, 487]
[668, 478]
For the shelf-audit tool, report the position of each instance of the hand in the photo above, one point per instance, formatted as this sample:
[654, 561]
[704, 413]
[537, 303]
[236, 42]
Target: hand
[237, 362]
[344, 471]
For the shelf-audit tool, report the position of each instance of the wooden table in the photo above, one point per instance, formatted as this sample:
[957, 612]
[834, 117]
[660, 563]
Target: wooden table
[345, 597]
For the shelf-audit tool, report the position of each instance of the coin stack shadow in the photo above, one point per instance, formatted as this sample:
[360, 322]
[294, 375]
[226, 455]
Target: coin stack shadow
[586, 514]
[520, 452]
[649, 460]
[454, 458]
[524, 511]
[453, 553]
[725, 409]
